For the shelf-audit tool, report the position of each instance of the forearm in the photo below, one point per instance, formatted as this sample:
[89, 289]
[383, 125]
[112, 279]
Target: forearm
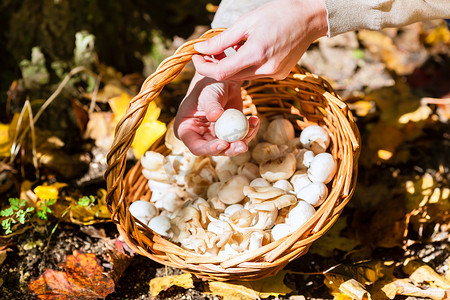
[349, 15]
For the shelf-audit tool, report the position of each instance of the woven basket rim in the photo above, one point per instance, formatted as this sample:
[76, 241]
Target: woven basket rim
[269, 259]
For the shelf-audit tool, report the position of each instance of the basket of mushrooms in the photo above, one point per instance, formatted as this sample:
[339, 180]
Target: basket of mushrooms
[243, 217]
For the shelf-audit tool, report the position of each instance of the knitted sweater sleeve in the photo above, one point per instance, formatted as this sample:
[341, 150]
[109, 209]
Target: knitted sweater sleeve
[349, 15]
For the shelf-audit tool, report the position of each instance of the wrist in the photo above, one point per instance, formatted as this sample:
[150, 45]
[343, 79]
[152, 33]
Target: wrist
[314, 13]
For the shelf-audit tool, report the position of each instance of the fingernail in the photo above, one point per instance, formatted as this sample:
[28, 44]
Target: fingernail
[199, 47]
[222, 146]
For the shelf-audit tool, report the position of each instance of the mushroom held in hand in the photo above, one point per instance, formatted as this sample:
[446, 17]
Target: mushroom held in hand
[322, 169]
[232, 126]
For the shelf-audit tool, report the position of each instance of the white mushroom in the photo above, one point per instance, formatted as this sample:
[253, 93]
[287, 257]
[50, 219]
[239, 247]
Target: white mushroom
[299, 180]
[142, 210]
[280, 231]
[322, 169]
[230, 210]
[225, 168]
[262, 192]
[160, 225]
[215, 203]
[152, 160]
[263, 124]
[304, 158]
[259, 182]
[284, 185]
[231, 126]
[317, 135]
[249, 170]
[168, 201]
[264, 151]
[256, 240]
[242, 218]
[314, 193]
[265, 219]
[279, 132]
[213, 189]
[173, 143]
[232, 191]
[241, 158]
[279, 168]
[299, 215]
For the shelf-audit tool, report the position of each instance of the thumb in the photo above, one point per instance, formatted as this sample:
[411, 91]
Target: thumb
[218, 44]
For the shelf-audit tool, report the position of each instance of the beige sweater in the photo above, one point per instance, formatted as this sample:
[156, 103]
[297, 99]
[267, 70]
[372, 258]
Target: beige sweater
[349, 15]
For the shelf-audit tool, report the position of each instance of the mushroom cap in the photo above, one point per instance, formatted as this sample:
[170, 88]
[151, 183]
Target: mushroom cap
[279, 132]
[249, 170]
[231, 126]
[322, 169]
[314, 193]
[284, 185]
[280, 231]
[160, 225]
[259, 182]
[299, 180]
[232, 191]
[264, 151]
[279, 168]
[142, 210]
[300, 214]
[315, 133]
[152, 160]
[304, 158]
[241, 158]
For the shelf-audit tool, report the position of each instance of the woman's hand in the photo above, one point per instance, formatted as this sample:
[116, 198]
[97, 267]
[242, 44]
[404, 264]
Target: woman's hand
[204, 103]
[276, 35]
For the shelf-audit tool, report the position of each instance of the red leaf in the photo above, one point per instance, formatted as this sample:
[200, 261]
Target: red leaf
[82, 278]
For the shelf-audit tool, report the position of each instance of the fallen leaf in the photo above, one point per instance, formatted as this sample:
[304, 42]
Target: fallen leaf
[82, 278]
[422, 273]
[159, 284]
[263, 288]
[354, 290]
[438, 35]
[120, 256]
[149, 130]
[48, 192]
[5, 140]
[405, 288]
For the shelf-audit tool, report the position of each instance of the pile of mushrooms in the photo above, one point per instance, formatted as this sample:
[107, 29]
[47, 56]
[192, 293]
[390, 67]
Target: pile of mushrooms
[227, 205]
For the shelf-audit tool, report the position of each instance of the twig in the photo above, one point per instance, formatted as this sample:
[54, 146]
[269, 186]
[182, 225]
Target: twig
[94, 94]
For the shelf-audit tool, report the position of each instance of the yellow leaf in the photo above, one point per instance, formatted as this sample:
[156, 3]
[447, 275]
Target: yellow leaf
[355, 290]
[263, 288]
[146, 135]
[48, 192]
[160, 284]
[150, 129]
[5, 140]
[420, 114]
[440, 34]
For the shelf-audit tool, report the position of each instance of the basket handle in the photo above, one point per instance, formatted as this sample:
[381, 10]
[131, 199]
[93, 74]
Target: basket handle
[136, 110]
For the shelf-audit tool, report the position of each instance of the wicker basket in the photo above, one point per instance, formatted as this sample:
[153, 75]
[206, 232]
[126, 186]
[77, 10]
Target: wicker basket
[304, 99]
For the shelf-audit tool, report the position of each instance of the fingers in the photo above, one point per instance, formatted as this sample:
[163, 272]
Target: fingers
[198, 145]
[224, 69]
[218, 44]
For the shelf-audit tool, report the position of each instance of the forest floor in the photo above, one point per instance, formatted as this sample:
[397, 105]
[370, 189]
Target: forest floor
[392, 238]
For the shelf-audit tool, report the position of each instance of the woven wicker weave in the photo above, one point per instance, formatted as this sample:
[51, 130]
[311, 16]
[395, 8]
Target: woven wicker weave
[304, 99]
